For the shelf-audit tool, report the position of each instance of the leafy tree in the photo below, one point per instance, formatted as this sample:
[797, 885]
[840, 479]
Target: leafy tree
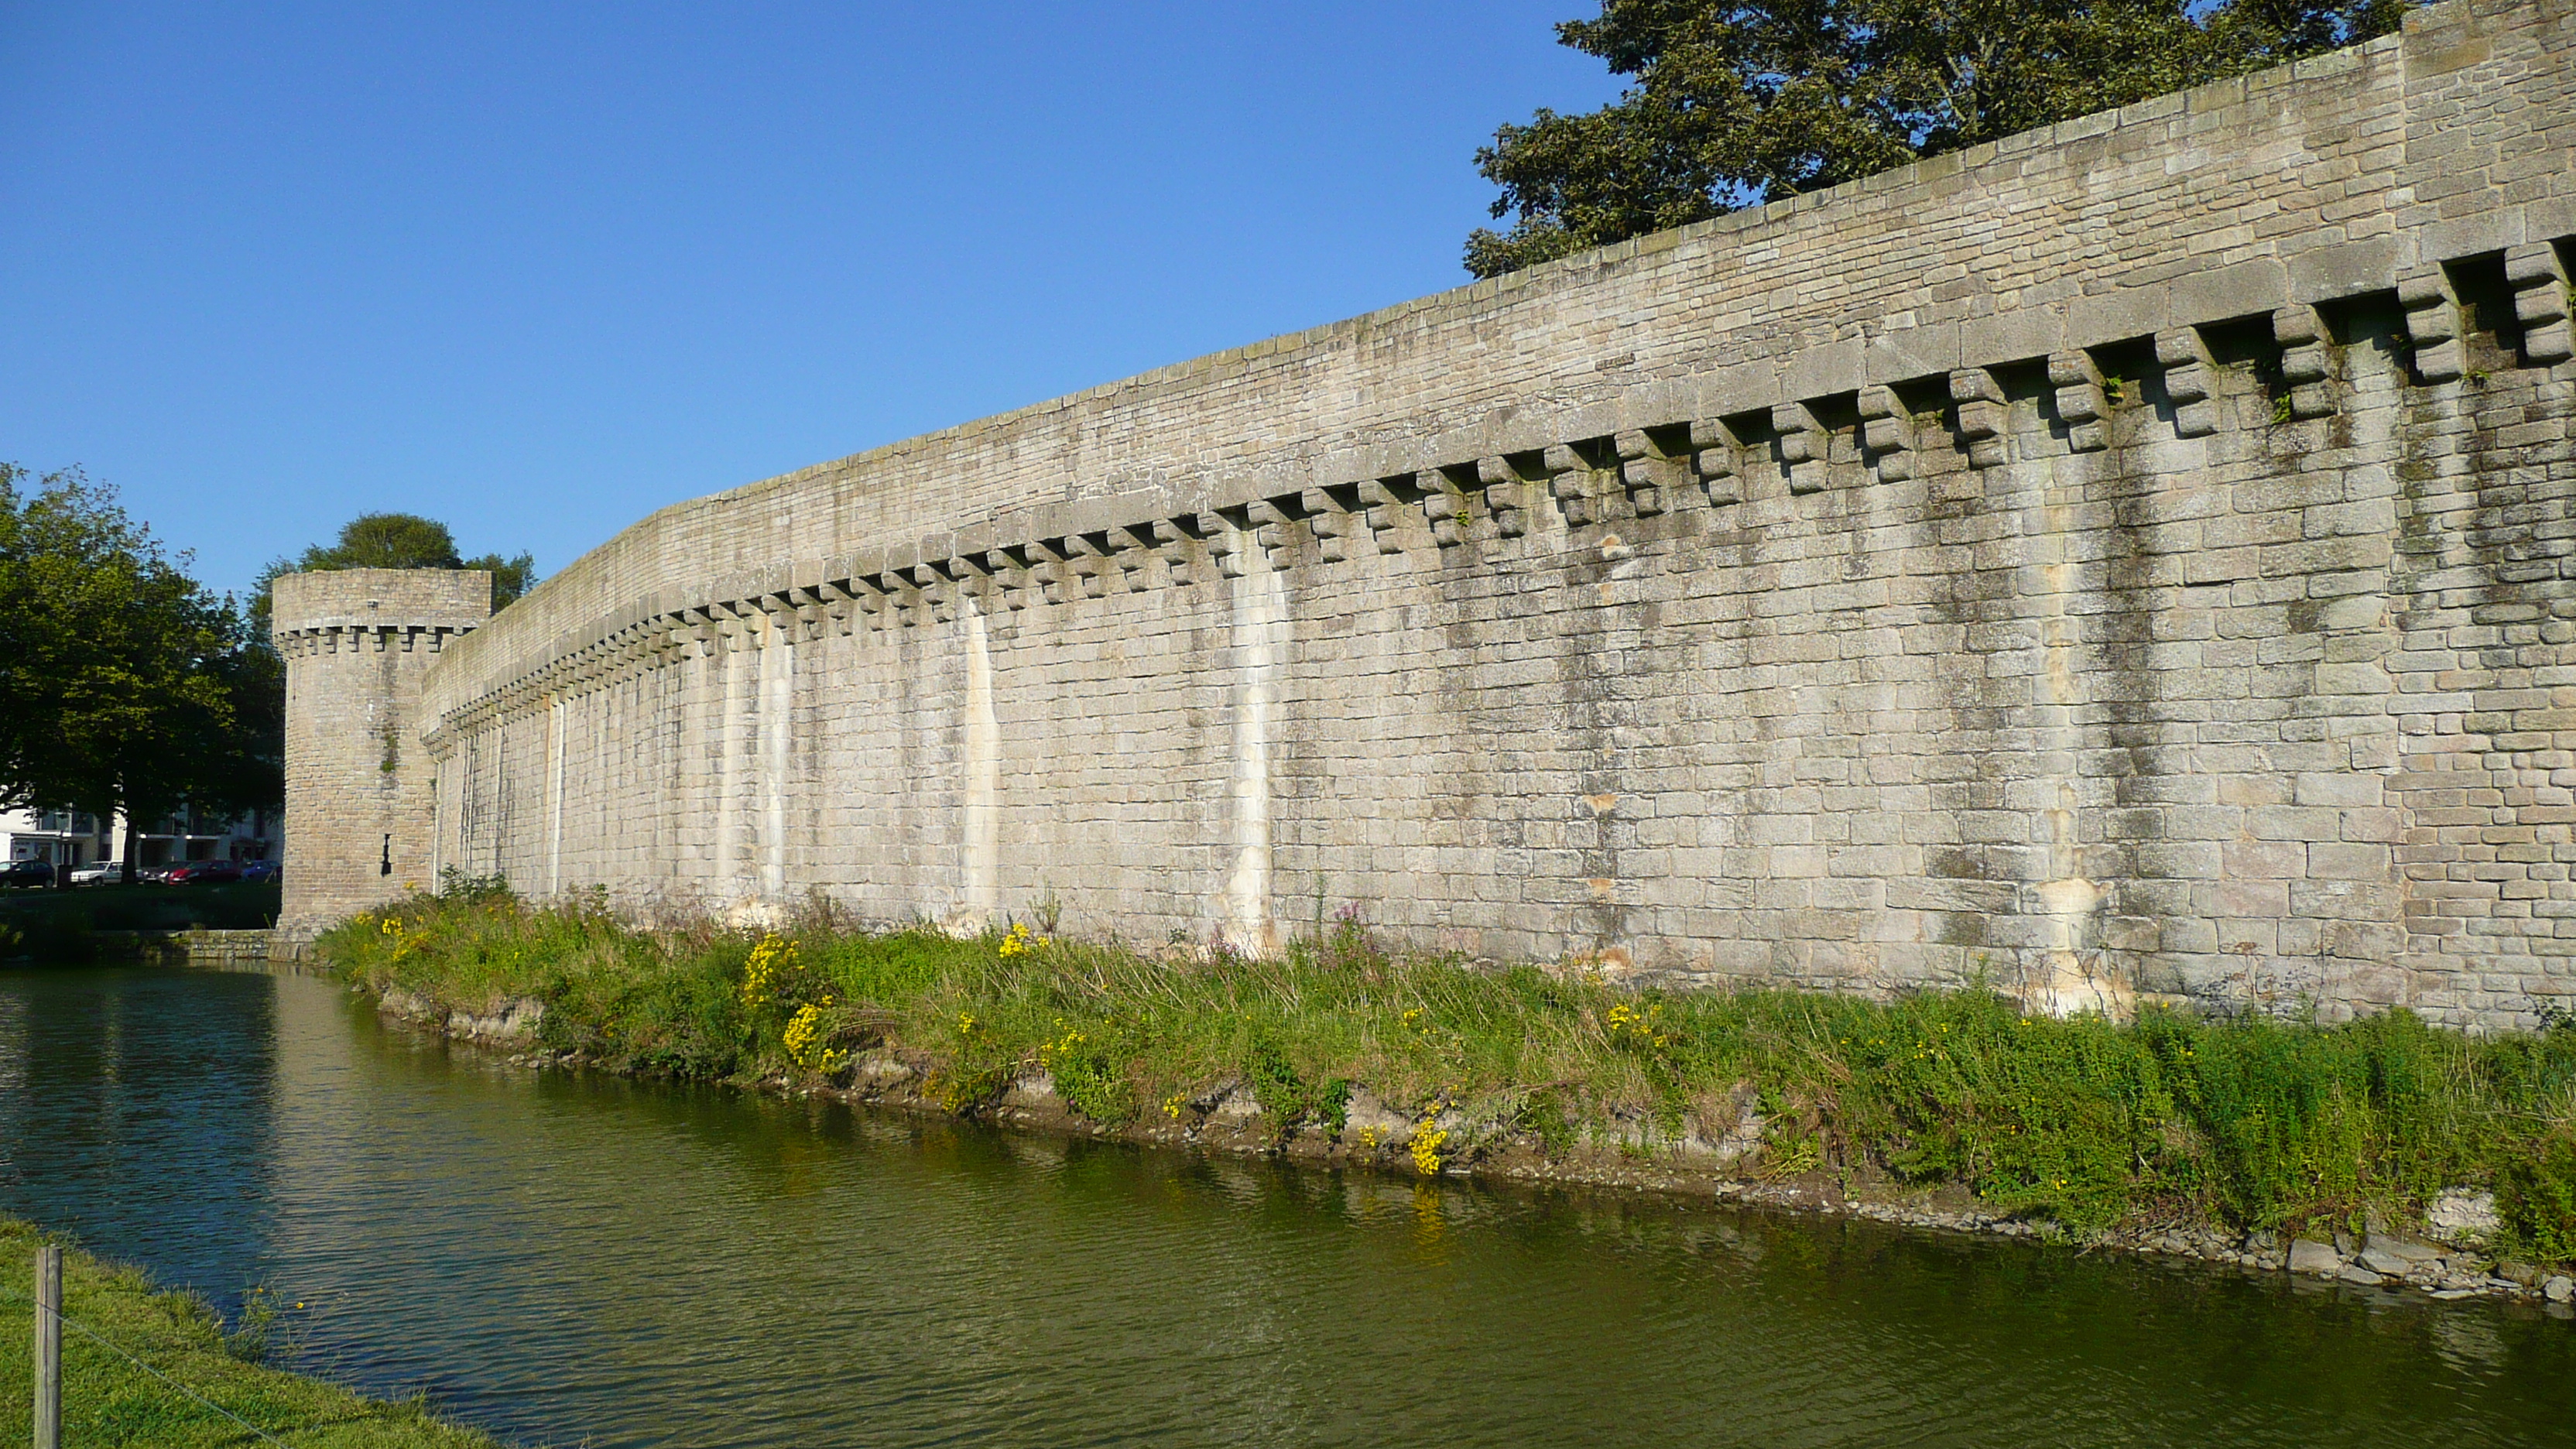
[1737, 104]
[395, 541]
[122, 679]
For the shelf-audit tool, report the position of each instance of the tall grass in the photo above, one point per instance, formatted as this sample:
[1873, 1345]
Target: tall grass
[2172, 1119]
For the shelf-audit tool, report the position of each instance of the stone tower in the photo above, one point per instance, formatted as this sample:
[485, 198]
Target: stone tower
[359, 800]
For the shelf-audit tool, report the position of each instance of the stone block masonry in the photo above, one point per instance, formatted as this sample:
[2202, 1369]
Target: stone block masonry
[360, 801]
[2128, 559]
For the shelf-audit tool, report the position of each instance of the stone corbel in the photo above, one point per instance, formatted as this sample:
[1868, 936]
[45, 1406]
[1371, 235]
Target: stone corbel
[785, 617]
[1887, 432]
[1506, 495]
[1980, 404]
[1444, 506]
[1172, 537]
[902, 606]
[1132, 548]
[1569, 482]
[1087, 563]
[973, 570]
[1378, 505]
[837, 604]
[1653, 476]
[2433, 323]
[1715, 458]
[1329, 521]
[1802, 446]
[1224, 544]
[2081, 404]
[1269, 524]
[911, 599]
[1011, 576]
[884, 600]
[1051, 579]
[2306, 362]
[876, 601]
[2191, 381]
[2540, 302]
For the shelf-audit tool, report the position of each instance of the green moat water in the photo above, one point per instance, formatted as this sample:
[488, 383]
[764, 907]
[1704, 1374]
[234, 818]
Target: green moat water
[568, 1260]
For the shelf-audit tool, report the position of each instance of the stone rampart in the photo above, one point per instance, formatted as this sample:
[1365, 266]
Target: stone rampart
[2126, 558]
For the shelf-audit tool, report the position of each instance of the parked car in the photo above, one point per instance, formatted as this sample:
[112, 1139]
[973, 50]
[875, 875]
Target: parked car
[259, 870]
[98, 872]
[28, 873]
[204, 872]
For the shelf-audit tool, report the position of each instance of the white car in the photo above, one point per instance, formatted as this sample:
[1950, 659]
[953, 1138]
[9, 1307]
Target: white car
[98, 872]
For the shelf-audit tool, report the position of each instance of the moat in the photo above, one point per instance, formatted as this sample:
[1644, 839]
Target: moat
[565, 1259]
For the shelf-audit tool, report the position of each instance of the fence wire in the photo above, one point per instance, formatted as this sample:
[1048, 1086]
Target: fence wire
[76, 1326]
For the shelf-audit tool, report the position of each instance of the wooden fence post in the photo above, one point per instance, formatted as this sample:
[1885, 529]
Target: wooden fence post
[49, 1347]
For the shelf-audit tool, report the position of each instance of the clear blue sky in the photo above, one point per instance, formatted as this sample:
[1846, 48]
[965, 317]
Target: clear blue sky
[539, 269]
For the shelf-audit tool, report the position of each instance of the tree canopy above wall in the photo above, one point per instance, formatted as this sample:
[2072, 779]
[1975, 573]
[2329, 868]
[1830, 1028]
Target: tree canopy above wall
[1738, 104]
[397, 541]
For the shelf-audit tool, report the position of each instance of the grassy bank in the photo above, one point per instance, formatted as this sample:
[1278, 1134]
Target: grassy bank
[53, 924]
[108, 1401]
[2174, 1120]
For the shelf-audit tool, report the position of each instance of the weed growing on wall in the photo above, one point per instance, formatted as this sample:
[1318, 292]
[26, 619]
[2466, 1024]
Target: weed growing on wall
[2175, 1118]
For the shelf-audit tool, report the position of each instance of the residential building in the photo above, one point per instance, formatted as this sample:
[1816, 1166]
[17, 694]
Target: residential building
[71, 837]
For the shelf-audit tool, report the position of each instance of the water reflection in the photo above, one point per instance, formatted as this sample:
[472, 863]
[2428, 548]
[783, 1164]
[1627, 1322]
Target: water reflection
[115, 1091]
[561, 1258]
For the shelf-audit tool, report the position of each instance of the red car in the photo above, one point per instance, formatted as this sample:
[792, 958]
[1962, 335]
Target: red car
[203, 872]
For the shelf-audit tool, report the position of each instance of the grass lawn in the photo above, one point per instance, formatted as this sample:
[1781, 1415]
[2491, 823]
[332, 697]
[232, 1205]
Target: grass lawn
[108, 1401]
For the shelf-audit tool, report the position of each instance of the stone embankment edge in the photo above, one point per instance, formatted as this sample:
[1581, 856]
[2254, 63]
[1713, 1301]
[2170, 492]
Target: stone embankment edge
[250, 950]
[1227, 1120]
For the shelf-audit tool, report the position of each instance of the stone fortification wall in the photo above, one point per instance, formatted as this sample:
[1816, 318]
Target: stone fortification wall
[360, 795]
[2124, 558]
